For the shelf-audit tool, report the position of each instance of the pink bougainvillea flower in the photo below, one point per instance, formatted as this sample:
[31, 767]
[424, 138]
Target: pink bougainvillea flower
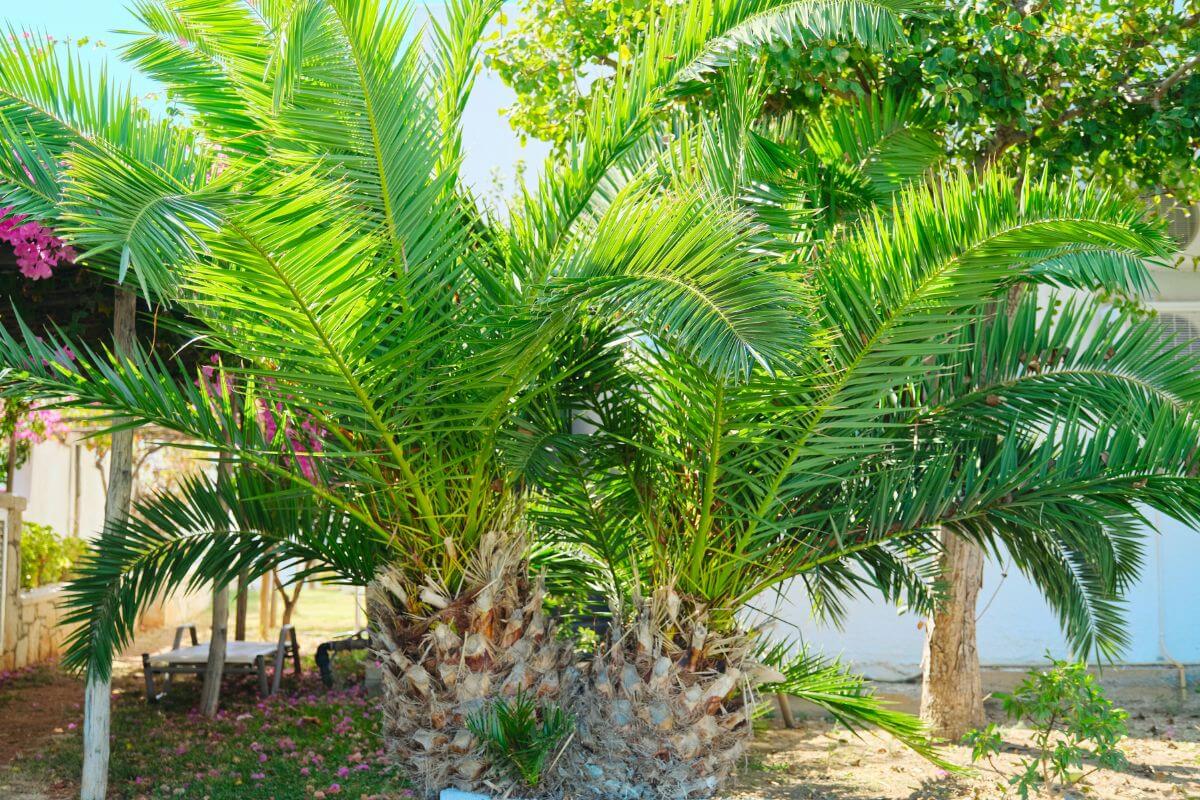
[36, 247]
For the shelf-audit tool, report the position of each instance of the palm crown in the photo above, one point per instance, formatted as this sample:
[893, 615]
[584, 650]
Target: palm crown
[792, 354]
[936, 394]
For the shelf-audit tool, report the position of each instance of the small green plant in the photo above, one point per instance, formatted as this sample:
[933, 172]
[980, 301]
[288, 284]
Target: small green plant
[1073, 723]
[46, 556]
[520, 735]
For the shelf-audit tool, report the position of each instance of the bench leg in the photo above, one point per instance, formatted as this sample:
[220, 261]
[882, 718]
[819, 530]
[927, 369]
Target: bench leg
[279, 662]
[260, 664]
[151, 696]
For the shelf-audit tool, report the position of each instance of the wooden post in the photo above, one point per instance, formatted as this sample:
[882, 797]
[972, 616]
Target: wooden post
[274, 606]
[264, 604]
[97, 696]
[239, 620]
[785, 710]
[210, 695]
[10, 476]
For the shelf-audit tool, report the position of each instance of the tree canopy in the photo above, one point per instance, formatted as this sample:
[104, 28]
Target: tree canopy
[1103, 89]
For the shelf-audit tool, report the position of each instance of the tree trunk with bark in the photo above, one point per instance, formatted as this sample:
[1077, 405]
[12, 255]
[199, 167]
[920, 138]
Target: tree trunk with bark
[93, 784]
[266, 589]
[289, 600]
[951, 689]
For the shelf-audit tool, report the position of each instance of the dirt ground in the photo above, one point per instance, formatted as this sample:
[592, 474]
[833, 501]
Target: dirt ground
[819, 761]
[33, 708]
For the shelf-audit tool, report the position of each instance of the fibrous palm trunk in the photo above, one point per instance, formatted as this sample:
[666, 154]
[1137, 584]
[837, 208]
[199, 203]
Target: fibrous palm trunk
[492, 639]
[667, 712]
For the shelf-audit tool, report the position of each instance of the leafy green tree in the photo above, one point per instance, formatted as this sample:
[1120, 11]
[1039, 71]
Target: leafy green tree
[1108, 89]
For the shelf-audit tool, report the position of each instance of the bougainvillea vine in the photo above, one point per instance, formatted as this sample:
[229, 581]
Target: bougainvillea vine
[37, 249]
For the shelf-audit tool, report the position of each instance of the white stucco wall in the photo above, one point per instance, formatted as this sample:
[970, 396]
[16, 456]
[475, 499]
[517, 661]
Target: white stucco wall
[1018, 628]
[49, 479]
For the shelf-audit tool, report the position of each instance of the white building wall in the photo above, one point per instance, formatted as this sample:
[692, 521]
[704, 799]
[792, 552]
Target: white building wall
[52, 476]
[1017, 628]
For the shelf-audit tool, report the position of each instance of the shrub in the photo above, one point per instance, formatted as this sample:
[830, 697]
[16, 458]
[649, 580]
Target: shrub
[46, 556]
[1072, 721]
[520, 735]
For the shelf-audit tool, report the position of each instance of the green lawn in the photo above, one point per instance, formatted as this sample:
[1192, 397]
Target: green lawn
[321, 613]
[305, 742]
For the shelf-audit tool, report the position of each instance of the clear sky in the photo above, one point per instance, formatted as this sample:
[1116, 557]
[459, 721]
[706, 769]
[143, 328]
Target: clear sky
[490, 143]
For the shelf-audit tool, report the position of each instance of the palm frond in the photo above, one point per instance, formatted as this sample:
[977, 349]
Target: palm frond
[847, 697]
[201, 532]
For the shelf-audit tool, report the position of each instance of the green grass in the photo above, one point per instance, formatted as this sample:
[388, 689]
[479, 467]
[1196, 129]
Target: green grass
[303, 743]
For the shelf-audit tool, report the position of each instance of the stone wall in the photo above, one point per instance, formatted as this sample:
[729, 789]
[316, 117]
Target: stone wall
[39, 637]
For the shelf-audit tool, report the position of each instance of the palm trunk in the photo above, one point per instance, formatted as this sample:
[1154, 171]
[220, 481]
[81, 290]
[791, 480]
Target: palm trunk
[93, 783]
[951, 689]
[951, 683]
[443, 658]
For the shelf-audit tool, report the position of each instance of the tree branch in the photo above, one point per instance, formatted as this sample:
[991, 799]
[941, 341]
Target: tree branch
[1172, 79]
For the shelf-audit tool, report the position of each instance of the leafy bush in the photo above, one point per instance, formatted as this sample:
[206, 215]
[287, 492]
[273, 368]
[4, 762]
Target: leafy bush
[47, 557]
[1073, 723]
[519, 735]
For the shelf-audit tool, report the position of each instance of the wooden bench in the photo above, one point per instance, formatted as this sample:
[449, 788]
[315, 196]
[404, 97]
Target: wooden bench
[241, 658]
